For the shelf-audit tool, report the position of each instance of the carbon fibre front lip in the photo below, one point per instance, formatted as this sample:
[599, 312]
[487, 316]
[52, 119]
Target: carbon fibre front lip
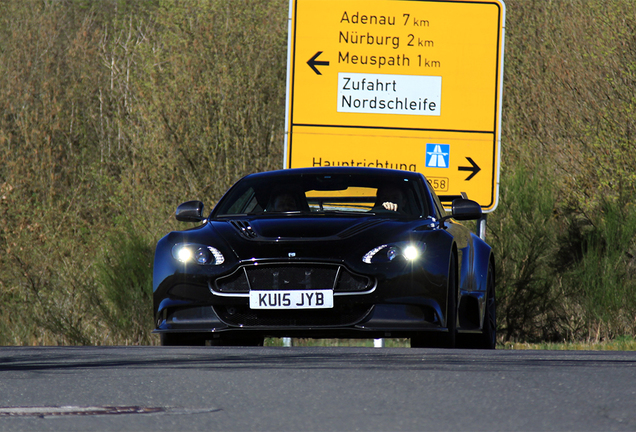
[380, 318]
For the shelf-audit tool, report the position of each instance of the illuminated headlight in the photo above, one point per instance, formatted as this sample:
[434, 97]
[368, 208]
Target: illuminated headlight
[411, 253]
[386, 253]
[196, 253]
[184, 254]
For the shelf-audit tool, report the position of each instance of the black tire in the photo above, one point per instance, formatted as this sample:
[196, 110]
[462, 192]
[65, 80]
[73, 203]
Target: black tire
[487, 339]
[182, 339]
[201, 339]
[238, 341]
[448, 339]
[489, 331]
[451, 306]
[428, 340]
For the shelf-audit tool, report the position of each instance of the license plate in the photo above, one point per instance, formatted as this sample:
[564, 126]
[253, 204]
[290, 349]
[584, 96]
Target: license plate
[296, 299]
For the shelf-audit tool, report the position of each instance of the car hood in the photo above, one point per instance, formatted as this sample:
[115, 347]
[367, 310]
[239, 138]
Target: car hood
[333, 237]
[303, 228]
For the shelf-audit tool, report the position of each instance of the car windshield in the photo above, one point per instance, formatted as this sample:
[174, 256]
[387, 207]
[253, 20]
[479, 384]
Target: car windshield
[314, 194]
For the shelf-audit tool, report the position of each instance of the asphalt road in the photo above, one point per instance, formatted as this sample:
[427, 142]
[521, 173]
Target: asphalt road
[212, 388]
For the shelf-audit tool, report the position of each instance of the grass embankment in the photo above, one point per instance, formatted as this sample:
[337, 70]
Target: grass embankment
[623, 343]
[112, 113]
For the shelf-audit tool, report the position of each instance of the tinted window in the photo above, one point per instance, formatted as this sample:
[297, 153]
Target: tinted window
[323, 194]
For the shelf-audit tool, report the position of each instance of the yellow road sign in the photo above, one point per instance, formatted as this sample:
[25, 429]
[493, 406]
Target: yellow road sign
[412, 85]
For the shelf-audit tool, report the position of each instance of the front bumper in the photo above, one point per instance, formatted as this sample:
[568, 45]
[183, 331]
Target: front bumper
[365, 322]
[401, 301]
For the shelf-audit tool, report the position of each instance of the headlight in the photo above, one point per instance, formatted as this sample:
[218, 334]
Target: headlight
[198, 254]
[411, 252]
[385, 253]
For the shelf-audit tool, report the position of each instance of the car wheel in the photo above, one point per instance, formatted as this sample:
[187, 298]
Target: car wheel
[451, 307]
[427, 340]
[445, 340]
[182, 339]
[489, 333]
[487, 339]
[238, 341]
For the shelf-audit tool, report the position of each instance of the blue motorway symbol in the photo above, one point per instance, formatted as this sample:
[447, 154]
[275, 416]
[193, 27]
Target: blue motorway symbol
[437, 155]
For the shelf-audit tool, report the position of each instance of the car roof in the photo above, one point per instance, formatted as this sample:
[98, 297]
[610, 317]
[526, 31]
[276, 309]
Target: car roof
[339, 171]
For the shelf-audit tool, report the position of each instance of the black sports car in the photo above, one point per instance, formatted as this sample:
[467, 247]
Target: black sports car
[326, 252]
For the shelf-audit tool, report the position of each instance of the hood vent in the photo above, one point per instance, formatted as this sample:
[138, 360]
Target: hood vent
[357, 229]
[244, 228]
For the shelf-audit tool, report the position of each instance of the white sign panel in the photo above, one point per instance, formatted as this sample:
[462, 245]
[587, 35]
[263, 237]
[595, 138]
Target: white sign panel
[389, 94]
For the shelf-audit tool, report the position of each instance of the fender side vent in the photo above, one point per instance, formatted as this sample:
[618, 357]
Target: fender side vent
[244, 228]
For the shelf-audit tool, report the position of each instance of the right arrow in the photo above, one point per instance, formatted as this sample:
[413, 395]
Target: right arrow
[313, 62]
[474, 169]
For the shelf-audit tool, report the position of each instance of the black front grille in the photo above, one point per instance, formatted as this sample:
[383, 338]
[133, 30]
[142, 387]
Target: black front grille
[292, 276]
[234, 283]
[246, 317]
[350, 282]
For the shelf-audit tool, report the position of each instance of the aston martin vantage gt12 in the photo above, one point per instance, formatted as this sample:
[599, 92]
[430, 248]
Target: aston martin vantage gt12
[326, 253]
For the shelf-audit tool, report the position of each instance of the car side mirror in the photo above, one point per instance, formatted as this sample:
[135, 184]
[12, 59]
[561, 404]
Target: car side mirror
[191, 211]
[465, 209]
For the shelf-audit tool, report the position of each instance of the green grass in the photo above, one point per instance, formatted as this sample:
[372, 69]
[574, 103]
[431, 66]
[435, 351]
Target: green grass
[623, 343]
[305, 342]
[184, 95]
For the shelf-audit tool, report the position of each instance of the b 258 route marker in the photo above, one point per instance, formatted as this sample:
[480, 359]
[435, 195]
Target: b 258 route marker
[403, 84]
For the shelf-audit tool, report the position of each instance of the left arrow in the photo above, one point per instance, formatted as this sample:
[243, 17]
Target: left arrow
[313, 63]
